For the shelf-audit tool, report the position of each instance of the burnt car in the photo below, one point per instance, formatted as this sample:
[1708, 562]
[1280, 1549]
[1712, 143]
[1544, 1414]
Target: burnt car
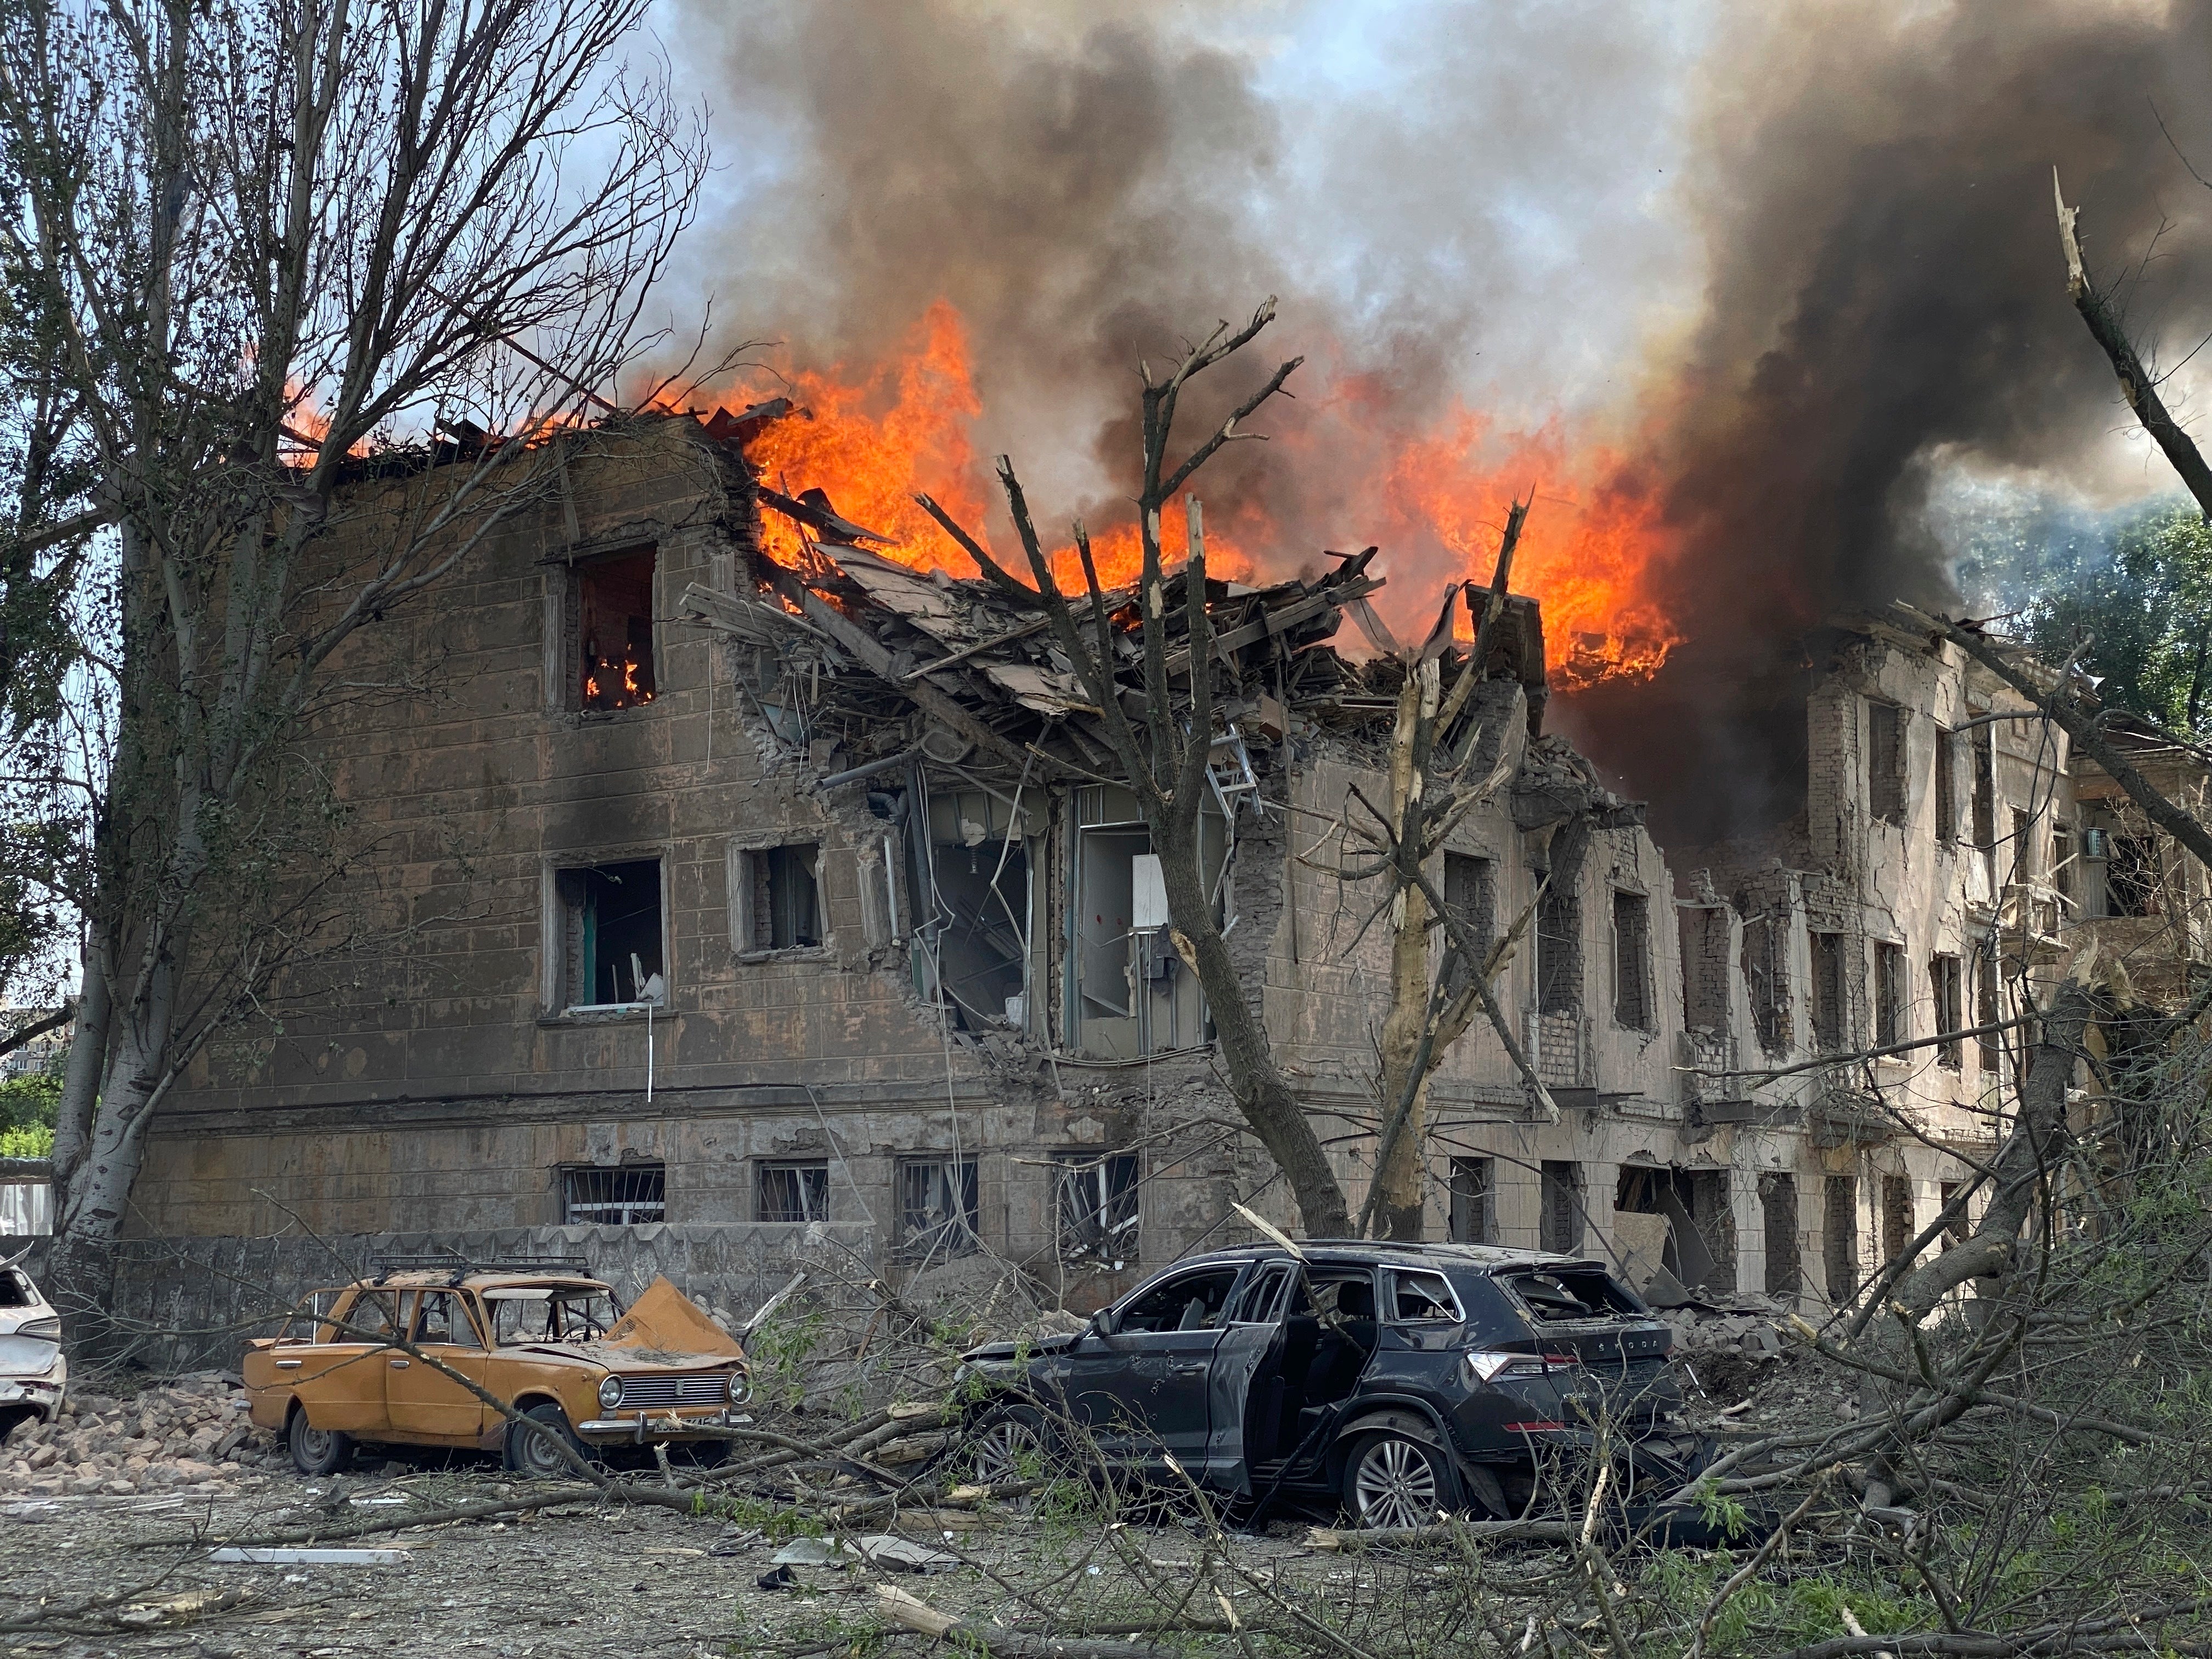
[33, 1373]
[1406, 1380]
[543, 1338]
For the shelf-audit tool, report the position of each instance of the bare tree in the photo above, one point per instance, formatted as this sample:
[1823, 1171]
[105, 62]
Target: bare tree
[289, 253]
[1164, 749]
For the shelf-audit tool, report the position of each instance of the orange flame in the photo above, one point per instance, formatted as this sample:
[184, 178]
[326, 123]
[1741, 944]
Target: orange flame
[1588, 552]
[1593, 550]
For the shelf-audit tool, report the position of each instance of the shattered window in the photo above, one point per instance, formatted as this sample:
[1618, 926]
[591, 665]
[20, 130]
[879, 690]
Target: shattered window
[611, 944]
[1468, 897]
[1562, 1221]
[1828, 1003]
[2131, 877]
[1765, 972]
[611, 611]
[794, 1192]
[978, 940]
[1190, 1302]
[621, 1196]
[1777, 1204]
[1422, 1298]
[1559, 951]
[1472, 1205]
[1885, 762]
[1946, 785]
[1841, 1230]
[780, 898]
[1944, 977]
[1098, 1205]
[1990, 1044]
[1632, 960]
[938, 1214]
[1888, 994]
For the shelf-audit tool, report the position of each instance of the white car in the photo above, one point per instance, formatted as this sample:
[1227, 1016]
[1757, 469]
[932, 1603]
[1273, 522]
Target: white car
[33, 1375]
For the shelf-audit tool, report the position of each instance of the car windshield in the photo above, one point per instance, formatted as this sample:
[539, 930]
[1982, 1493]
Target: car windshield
[541, 1314]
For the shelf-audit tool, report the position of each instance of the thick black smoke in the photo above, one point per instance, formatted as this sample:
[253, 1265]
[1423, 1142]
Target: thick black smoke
[1887, 298]
[1513, 218]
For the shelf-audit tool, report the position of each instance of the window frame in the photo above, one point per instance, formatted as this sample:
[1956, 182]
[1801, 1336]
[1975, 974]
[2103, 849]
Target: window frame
[1389, 1298]
[739, 853]
[910, 1243]
[765, 1167]
[554, 966]
[566, 1174]
[1106, 1167]
[564, 610]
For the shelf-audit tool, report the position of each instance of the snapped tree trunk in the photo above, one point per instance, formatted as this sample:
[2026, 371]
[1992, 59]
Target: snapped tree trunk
[1406, 1060]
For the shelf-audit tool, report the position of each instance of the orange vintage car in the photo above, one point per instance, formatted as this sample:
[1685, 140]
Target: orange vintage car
[548, 1340]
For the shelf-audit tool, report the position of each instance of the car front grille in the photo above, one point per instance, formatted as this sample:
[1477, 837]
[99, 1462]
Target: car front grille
[658, 1393]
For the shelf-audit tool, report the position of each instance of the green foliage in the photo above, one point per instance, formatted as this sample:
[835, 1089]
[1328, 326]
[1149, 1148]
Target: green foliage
[28, 1106]
[2139, 583]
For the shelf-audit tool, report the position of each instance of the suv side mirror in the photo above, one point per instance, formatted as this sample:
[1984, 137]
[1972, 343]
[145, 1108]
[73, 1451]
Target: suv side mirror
[1102, 1322]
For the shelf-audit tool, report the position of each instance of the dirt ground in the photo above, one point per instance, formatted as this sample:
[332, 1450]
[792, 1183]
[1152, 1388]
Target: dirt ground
[573, 1581]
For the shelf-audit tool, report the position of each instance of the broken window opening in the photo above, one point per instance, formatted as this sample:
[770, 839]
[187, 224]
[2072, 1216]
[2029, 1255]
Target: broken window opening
[1473, 1214]
[1829, 1008]
[625, 1196]
[1985, 788]
[1897, 1229]
[1127, 992]
[1840, 1238]
[1889, 994]
[779, 894]
[1943, 977]
[1632, 960]
[792, 1192]
[1700, 1247]
[612, 951]
[1561, 1190]
[979, 934]
[938, 1214]
[2132, 878]
[611, 608]
[1946, 785]
[1559, 950]
[1469, 897]
[1766, 974]
[1098, 1203]
[1778, 1203]
[1990, 1045]
[1954, 1230]
[1886, 729]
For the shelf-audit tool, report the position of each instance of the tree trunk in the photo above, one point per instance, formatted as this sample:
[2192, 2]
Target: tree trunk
[1263, 1093]
[1398, 1169]
[2030, 1155]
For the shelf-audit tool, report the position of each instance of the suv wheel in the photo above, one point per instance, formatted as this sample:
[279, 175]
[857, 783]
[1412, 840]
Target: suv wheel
[317, 1451]
[536, 1455]
[1009, 1445]
[1391, 1479]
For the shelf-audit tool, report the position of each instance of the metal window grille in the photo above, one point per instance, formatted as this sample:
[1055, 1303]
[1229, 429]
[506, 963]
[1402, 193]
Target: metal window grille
[621, 1196]
[1944, 976]
[1889, 994]
[938, 1214]
[1098, 1205]
[794, 1192]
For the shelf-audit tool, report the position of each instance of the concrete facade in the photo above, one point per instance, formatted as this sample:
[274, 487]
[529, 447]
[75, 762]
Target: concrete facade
[853, 1047]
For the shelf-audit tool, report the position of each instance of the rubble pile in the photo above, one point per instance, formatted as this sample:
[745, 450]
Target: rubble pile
[188, 1434]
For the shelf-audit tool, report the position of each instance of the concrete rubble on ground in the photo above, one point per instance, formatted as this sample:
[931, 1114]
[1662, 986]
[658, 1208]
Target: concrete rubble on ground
[189, 1433]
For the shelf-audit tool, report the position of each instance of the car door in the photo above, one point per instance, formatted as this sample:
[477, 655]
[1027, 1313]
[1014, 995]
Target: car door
[333, 1361]
[1252, 1330]
[426, 1405]
[1140, 1388]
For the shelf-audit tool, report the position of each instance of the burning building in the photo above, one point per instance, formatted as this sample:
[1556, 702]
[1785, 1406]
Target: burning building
[768, 882]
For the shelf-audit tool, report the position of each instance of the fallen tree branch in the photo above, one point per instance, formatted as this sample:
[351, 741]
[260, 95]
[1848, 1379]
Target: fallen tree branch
[898, 1607]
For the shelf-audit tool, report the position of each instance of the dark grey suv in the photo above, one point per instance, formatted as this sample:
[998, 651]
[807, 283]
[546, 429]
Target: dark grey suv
[1406, 1380]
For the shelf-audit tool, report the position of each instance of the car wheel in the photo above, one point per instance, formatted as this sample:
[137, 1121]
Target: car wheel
[537, 1455]
[317, 1451]
[1392, 1479]
[1008, 1444]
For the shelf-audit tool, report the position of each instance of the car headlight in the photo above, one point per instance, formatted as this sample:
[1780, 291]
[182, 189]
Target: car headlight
[610, 1392]
[741, 1388]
